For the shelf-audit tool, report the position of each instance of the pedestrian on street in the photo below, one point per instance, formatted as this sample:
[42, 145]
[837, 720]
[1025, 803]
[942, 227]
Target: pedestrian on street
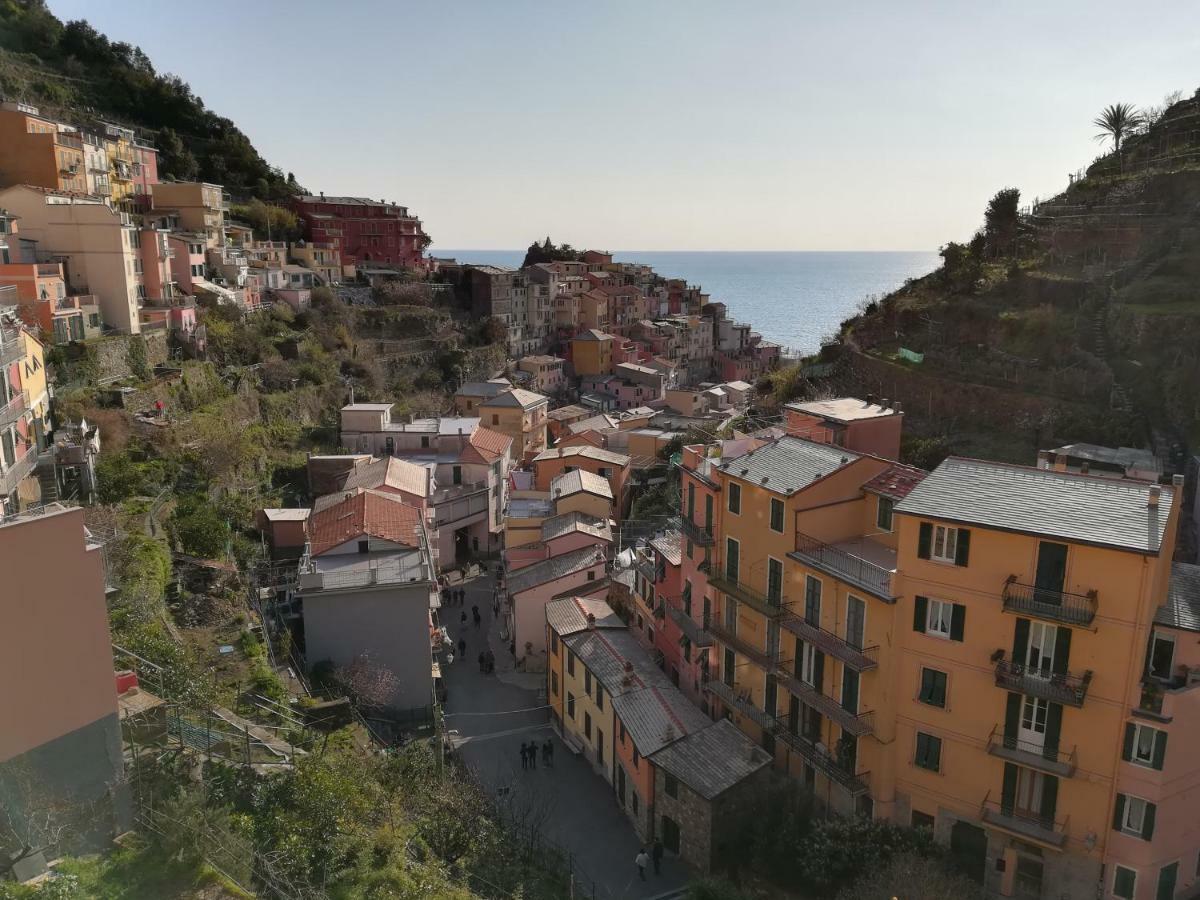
[491, 660]
[462, 620]
[642, 860]
[482, 661]
[462, 647]
[547, 753]
[445, 596]
[476, 616]
[656, 854]
[462, 595]
[524, 756]
[533, 754]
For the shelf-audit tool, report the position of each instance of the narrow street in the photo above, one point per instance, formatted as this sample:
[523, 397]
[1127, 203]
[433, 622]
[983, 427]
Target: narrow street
[490, 716]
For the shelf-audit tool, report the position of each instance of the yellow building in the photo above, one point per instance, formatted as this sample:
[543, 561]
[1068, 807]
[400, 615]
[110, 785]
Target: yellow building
[122, 159]
[591, 353]
[522, 416]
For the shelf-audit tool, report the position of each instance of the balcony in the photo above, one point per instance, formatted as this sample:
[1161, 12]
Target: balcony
[455, 503]
[14, 408]
[18, 471]
[740, 702]
[1053, 760]
[755, 599]
[858, 659]
[697, 534]
[74, 141]
[857, 724]
[689, 626]
[1055, 606]
[851, 567]
[820, 759]
[1068, 689]
[761, 658]
[1027, 825]
[11, 350]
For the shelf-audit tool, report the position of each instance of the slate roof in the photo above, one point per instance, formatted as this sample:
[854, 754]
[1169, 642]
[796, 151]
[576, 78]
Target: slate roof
[595, 423]
[514, 398]
[557, 526]
[568, 412]
[389, 472]
[1108, 512]
[1182, 609]
[482, 388]
[712, 760]
[669, 545]
[593, 334]
[552, 569]
[578, 481]
[569, 616]
[896, 481]
[608, 456]
[788, 464]
[368, 513]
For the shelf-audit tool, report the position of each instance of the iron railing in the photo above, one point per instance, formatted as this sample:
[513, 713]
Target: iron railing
[18, 471]
[1045, 757]
[840, 564]
[1044, 603]
[820, 759]
[1067, 688]
[762, 658]
[11, 350]
[859, 659]
[698, 534]
[857, 724]
[741, 703]
[14, 408]
[756, 599]
[1024, 824]
[689, 626]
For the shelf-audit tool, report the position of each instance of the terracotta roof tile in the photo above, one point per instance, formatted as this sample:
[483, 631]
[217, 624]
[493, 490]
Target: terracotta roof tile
[896, 481]
[369, 513]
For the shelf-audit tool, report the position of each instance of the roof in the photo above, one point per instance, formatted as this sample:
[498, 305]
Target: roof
[578, 481]
[568, 523]
[1182, 609]
[367, 407]
[1124, 457]
[1110, 512]
[552, 569]
[492, 270]
[286, 515]
[367, 513]
[739, 385]
[389, 472]
[595, 423]
[896, 481]
[482, 388]
[516, 397]
[608, 456]
[670, 545]
[788, 464]
[570, 615]
[634, 367]
[843, 409]
[347, 201]
[593, 334]
[486, 446]
[712, 760]
[568, 412]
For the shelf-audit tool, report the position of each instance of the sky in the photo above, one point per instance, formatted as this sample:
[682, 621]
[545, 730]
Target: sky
[665, 125]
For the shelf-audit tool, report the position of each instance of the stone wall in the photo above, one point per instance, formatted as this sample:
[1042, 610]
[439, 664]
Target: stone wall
[111, 354]
[693, 814]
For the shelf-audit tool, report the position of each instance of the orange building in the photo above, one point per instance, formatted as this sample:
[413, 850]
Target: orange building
[38, 151]
[592, 353]
[614, 467]
[862, 425]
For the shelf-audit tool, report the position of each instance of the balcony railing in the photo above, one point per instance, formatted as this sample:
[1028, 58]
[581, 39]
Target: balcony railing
[767, 606]
[698, 534]
[1050, 759]
[858, 659]
[1043, 603]
[821, 760]
[14, 408]
[689, 626]
[48, 270]
[857, 724]
[740, 702]
[1029, 825]
[17, 472]
[73, 141]
[762, 658]
[837, 562]
[1069, 689]
[11, 350]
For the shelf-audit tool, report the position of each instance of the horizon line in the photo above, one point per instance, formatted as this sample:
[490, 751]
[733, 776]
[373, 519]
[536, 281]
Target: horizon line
[679, 250]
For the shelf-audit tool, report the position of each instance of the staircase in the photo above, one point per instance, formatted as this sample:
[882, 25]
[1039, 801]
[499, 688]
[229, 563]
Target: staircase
[47, 476]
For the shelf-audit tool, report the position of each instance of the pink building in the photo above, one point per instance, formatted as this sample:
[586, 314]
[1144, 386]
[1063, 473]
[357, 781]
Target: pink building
[145, 173]
[578, 573]
[188, 262]
[860, 425]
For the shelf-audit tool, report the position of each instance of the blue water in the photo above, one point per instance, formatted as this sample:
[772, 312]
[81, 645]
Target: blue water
[792, 297]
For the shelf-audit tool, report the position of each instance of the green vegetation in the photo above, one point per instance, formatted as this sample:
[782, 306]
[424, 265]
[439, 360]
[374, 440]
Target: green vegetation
[1116, 123]
[548, 251]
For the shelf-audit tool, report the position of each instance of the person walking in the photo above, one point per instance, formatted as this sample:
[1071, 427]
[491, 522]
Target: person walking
[642, 860]
[656, 853]
[533, 754]
[462, 595]
[462, 620]
[524, 756]
[462, 647]
[475, 615]
[491, 660]
[548, 754]
[482, 661]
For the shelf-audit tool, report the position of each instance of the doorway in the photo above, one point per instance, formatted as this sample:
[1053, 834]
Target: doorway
[1051, 571]
[1032, 732]
[968, 845]
[1027, 880]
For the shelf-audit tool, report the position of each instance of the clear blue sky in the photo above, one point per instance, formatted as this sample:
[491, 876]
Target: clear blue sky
[657, 124]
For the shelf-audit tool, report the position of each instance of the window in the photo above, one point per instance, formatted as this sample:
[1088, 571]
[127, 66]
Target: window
[554, 683]
[587, 725]
[940, 614]
[943, 543]
[933, 688]
[672, 786]
[732, 559]
[939, 618]
[600, 697]
[929, 752]
[554, 642]
[1134, 816]
[570, 705]
[495, 419]
[735, 499]
[637, 758]
[1144, 745]
[621, 732]
[809, 663]
[364, 546]
[1162, 655]
[774, 581]
[812, 600]
[923, 820]
[777, 515]
[587, 681]
[691, 501]
[570, 663]
[883, 518]
[1168, 875]
[1125, 883]
[856, 622]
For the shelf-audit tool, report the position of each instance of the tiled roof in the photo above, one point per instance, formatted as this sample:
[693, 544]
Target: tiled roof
[842, 409]
[389, 472]
[1182, 609]
[713, 759]
[367, 513]
[608, 456]
[669, 545]
[557, 526]
[514, 398]
[896, 481]
[569, 483]
[552, 569]
[788, 464]
[568, 412]
[570, 615]
[1111, 512]
[488, 445]
[593, 334]
[482, 388]
[595, 423]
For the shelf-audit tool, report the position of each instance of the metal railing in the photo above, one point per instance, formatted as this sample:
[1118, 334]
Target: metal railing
[857, 724]
[762, 658]
[820, 759]
[860, 659]
[1066, 688]
[1044, 603]
[18, 471]
[11, 350]
[756, 599]
[834, 561]
[1048, 758]
[741, 703]
[14, 408]
[1024, 823]
[698, 534]
[689, 626]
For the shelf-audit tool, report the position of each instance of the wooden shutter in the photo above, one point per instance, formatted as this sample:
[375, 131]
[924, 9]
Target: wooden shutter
[1062, 650]
[962, 549]
[958, 622]
[1054, 713]
[1012, 719]
[1020, 642]
[819, 671]
[1119, 813]
[1008, 792]
[1049, 799]
[924, 540]
[1160, 749]
[920, 614]
[1127, 749]
[1148, 822]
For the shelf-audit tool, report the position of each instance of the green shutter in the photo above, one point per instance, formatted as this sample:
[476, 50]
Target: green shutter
[920, 614]
[1020, 642]
[958, 622]
[962, 549]
[1054, 713]
[924, 540]
[1062, 650]
[1119, 813]
[1148, 822]
[1008, 793]
[1012, 719]
[819, 671]
[1127, 748]
[1160, 749]
[1049, 799]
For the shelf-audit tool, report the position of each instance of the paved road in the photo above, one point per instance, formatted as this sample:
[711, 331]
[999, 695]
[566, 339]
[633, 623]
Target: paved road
[493, 715]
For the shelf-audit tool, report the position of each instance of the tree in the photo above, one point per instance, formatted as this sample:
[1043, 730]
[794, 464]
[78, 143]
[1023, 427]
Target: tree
[548, 251]
[1116, 123]
[1001, 223]
[367, 683]
[910, 877]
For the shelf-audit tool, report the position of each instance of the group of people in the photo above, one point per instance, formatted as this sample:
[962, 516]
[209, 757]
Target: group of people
[487, 661]
[474, 615]
[453, 596]
[529, 754]
[643, 859]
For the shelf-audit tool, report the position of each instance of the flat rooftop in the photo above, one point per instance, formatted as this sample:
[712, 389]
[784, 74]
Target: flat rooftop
[843, 409]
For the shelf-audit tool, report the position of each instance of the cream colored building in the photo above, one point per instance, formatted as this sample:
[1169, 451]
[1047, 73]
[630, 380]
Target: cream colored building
[202, 207]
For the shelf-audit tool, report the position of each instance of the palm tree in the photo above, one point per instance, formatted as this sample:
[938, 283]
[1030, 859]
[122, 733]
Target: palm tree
[1116, 123]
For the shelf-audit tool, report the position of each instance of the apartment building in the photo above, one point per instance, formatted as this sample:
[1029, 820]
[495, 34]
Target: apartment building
[520, 414]
[98, 247]
[37, 151]
[322, 257]
[576, 573]
[547, 374]
[24, 412]
[591, 353]
[469, 397]
[202, 208]
[861, 425]
[613, 467]
[364, 231]
[40, 292]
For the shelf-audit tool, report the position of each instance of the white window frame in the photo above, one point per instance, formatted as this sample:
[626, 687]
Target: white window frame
[1117, 867]
[1127, 817]
[937, 613]
[1138, 730]
[808, 664]
[945, 537]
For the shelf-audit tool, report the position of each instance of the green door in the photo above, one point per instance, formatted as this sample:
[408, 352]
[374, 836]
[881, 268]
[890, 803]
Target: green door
[1051, 571]
[1167, 877]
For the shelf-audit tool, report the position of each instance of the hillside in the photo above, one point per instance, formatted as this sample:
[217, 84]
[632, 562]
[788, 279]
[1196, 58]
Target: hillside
[71, 70]
[1075, 319]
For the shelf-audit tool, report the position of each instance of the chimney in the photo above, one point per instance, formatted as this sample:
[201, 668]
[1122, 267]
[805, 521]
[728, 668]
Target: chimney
[1043, 459]
[1155, 493]
[1084, 467]
[591, 621]
[883, 404]
[896, 407]
[1177, 481]
[322, 195]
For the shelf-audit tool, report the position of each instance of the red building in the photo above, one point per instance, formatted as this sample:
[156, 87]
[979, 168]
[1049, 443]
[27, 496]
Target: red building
[364, 231]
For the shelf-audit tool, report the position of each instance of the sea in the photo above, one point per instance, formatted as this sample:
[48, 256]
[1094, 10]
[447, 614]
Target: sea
[794, 298]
